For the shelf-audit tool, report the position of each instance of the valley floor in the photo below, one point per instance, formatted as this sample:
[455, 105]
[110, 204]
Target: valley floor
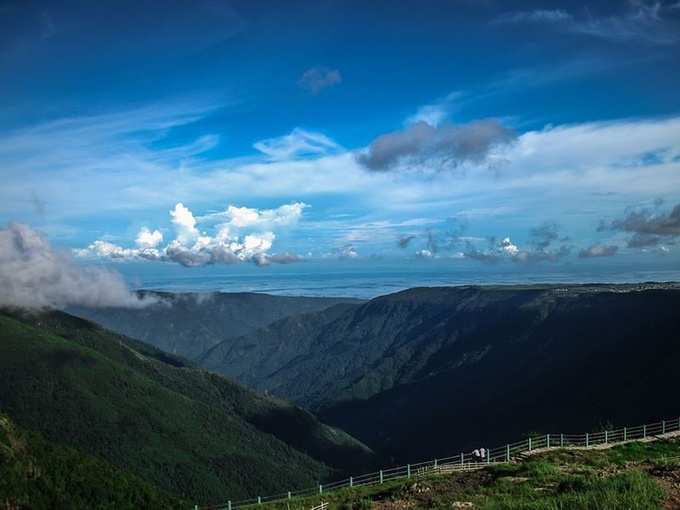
[634, 476]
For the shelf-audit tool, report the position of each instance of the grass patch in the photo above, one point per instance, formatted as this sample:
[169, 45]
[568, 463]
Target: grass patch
[624, 477]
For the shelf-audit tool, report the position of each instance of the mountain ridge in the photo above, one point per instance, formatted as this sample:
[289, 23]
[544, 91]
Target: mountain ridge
[188, 324]
[414, 361]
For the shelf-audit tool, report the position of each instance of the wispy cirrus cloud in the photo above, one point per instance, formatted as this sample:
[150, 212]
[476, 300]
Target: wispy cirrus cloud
[638, 21]
[436, 112]
[537, 16]
[298, 143]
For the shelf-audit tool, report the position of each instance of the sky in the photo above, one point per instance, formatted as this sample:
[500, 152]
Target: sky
[224, 135]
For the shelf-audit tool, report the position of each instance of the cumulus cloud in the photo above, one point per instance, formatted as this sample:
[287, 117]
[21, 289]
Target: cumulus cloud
[444, 146]
[316, 79]
[244, 217]
[598, 250]
[35, 275]
[648, 226]
[185, 223]
[147, 239]
[228, 245]
[507, 247]
[542, 248]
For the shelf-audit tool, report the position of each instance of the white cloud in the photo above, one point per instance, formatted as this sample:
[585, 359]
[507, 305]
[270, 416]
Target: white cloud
[185, 223]
[192, 248]
[35, 275]
[147, 239]
[243, 217]
[507, 247]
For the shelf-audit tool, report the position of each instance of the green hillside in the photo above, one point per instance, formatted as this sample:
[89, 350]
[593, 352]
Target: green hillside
[41, 475]
[193, 433]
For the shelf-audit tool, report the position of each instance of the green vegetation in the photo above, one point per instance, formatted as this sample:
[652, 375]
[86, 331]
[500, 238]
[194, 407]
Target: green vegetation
[192, 433]
[635, 476]
[37, 474]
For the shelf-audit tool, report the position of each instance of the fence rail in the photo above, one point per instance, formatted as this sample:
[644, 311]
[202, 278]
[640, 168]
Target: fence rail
[469, 461]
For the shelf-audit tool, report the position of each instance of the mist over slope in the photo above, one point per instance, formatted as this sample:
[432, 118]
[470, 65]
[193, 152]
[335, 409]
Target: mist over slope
[188, 324]
[188, 431]
[457, 366]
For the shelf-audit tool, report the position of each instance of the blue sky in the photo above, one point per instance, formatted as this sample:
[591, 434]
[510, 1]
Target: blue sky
[469, 133]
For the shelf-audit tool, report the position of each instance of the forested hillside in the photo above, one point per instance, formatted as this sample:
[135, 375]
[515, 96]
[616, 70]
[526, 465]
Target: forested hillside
[193, 433]
[188, 324]
[462, 365]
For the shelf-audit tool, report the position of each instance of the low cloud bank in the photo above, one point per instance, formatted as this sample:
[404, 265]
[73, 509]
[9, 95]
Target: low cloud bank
[35, 275]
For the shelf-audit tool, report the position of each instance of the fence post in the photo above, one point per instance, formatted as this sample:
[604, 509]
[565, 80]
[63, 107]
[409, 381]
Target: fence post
[507, 453]
[529, 444]
[195, 507]
[259, 500]
[229, 505]
[488, 456]
[320, 489]
[289, 495]
[351, 481]
[547, 440]
[644, 431]
[587, 439]
[408, 470]
[625, 433]
[663, 427]
[561, 440]
[606, 437]
[381, 476]
[462, 459]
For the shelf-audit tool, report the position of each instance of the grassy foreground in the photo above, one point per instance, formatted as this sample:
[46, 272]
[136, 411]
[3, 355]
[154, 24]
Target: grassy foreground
[631, 476]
